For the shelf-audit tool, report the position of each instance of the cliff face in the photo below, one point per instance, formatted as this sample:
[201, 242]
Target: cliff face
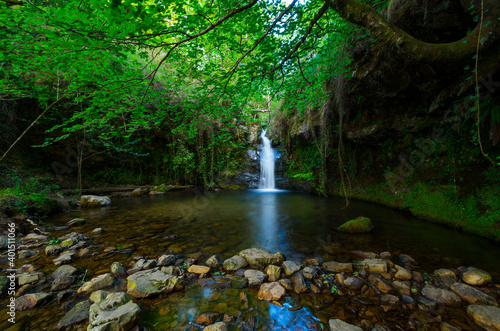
[406, 134]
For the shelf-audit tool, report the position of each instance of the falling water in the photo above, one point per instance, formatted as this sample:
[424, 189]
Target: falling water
[266, 164]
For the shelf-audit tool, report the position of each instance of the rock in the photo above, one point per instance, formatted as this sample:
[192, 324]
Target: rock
[69, 242]
[166, 260]
[75, 235]
[287, 284]
[62, 282]
[353, 283]
[259, 258]
[64, 295]
[116, 312]
[402, 287]
[408, 300]
[365, 255]
[219, 326]
[403, 274]
[207, 318]
[234, 263]
[445, 273]
[26, 278]
[271, 291]
[66, 258]
[214, 262]
[299, 284]
[93, 201]
[148, 283]
[64, 270]
[290, 267]
[31, 300]
[448, 327]
[118, 269]
[273, 272]
[381, 284]
[26, 268]
[309, 273]
[199, 269]
[98, 283]
[35, 236]
[372, 265]
[426, 303]
[385, 255]
[98, 295]
[337, 267]
[255, 277]
[53, 250]
[358, 225]
[97, 231]
[406, 259]
[472, 296]
[389, 299]
[24, 254]
[441, 296]
[171, 270]
[76, 222]
[140, 191]
[476, 277]
[78, 315]
[487, 317]
[339, 325]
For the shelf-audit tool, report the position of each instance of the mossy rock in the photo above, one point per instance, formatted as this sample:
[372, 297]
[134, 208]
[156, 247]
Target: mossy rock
[359, 225]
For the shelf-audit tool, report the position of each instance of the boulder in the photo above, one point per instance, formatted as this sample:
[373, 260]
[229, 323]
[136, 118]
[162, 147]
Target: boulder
[207, 318]
[255, 277]
[98, 295]
[472, 296]
[477, 277]
[214, 262]
[273, 272]
[148, 283]
[487, 317]
[64, 270]
[219, 326]
[199, 269]
[290, 267]
[98, 283]
[337, 267]
[339, 325]
[271, 292]
[353, 283]
[358, 225]
[115, 313]
[441, 296]
[372, 265]
[140, 191]
[309, 273]
[94, 201]
[259, 258]
[234, 263]
[53, 250]
[299, 284]
[76, 317]
[31, 300]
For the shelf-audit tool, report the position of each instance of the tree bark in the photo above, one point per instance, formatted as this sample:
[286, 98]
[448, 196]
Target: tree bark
[416, 51]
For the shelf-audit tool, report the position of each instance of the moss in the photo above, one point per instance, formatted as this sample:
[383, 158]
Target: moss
[358, 225]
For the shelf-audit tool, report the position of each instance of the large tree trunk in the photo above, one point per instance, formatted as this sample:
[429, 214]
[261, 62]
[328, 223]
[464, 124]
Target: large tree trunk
[443, 55]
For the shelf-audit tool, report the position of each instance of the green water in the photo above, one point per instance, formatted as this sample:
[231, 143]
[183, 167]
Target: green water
[297, 224]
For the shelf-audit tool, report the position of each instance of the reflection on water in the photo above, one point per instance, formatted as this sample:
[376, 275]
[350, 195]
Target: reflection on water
[299, 225]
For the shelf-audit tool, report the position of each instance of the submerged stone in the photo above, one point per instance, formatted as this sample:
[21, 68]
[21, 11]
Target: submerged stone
[358, 225]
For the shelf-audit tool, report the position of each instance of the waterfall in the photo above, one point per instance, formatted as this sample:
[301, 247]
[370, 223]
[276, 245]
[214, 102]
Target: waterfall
[267, 160]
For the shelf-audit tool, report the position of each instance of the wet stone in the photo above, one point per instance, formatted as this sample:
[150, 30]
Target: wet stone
[287, 284]
[53, 250]
[214, 262]
[273, 272]
[98, 283]
[337, 267]
[299, 284]
[234, 263]
[487, 317]
[65, 295]
[207, 318]
[380, 284]
[472, 296]
[476, 277]
[199, 269]
[290, 267]
[259, 258]
[389, 299]
[403, 274]
[353, 283]
[78, 315]
[271, 292]
[372, 265]
[255, 277]
[339, 325]
[448, 327]
[31, 300]
[441, 296]
[309, 273]
[66, 270]
[166, 260]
